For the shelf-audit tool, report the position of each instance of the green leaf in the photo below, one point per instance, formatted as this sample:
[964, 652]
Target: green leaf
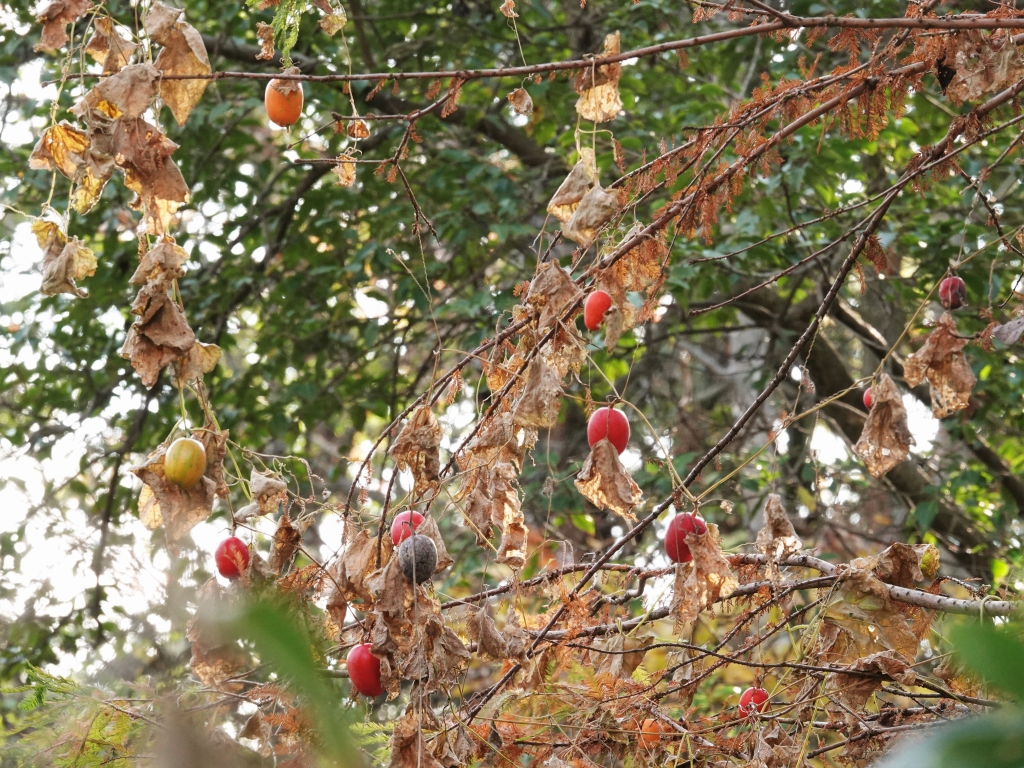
[995, 654]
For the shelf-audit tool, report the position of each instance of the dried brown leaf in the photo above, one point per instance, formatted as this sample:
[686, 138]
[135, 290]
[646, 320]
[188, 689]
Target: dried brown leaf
[855, 690]
[517, 643]
[162, 263]
[701, 582]
[179, 510]
[143, 152]
[286, 543]
[552, 292]
[160, 22]
[345, 169]
[605, 483]
[357, 561]
[216, 445]
[357, 129]
[942, 361]
[429, 529]
[481, 630]
[265, 36]
[82, 156]
[885, 440]
[540, 402]
[215, 657]
[62, 268]
[132, 90]
[159, 336]
[521, 101]
[595, 210]
[55, 17]
[334, 21]
[777, 539]
[199, 360]
[390, 590]
[775, 748]
[108, 47]
[508, 9]
[1010, 332]
[416, 449]
[982, 69]
[408, 749]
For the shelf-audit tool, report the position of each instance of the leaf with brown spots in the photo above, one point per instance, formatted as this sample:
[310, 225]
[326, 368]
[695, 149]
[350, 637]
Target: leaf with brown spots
[942, 362]
[885, 440]
[606, 483]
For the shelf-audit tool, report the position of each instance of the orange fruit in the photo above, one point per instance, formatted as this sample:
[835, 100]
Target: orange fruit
[185, 462]
[650, 733]
[283, 107]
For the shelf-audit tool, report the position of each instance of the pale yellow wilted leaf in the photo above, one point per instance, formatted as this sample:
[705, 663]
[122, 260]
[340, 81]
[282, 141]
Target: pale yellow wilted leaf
[345, 170]
[598, 86]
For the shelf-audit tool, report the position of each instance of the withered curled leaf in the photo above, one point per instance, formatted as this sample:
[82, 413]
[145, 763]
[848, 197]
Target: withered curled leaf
[624, 654]
[215, 442]
[358, 129]
[551, 292]
[521, 102]
[508, 9]
[606, 483]
[984, 64]
[159, 336]
[55, 17]
[942, 361]
[215, 657]
[162, 263]
[540, 401]
[108, 47]
[408, 749]
[595, 210]
[481, 630]
[581, 178]
[701, 582]
[1010, 332]
[265, 36]
[199, 360]
[64, 260]
[82, 156]
[885, 440]
[286, 543]
[777, 539]
[416, 449]
[598, 86]
[143, 152]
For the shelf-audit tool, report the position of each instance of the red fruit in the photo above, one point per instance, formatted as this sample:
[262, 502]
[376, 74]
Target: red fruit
[675, 536]
[364, 671]
[401, 528]
[284, 107]
[953, 292]
[753, 700]
[232, 557]
[869, 400]
[185, 462]
[594, 307]
[611, 423]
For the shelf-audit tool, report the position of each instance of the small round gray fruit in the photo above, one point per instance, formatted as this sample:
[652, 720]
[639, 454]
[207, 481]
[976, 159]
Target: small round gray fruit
[418, 557]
